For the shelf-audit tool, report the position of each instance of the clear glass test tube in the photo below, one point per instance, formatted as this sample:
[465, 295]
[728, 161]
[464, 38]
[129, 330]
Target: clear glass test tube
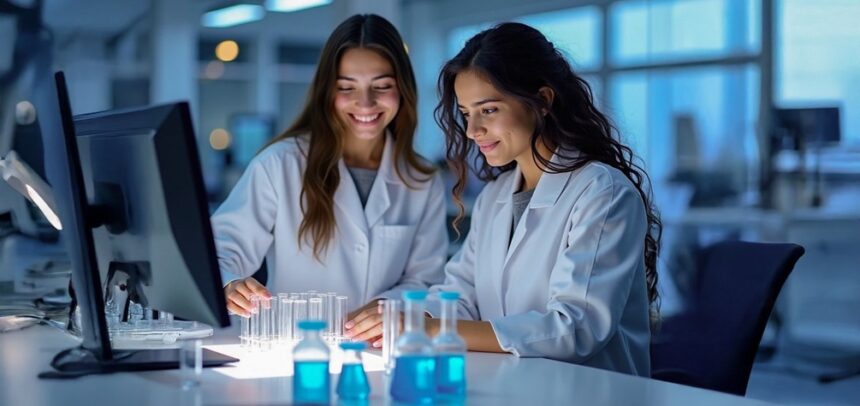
[244, 331]
[315, 309]
[286, 319]
[391, 327]
[330, 301]
[265, 323]
[300, 313]
[339, 317]
[279, 317]
[254, 323]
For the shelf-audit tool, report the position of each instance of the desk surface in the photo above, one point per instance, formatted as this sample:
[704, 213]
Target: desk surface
[492, 379]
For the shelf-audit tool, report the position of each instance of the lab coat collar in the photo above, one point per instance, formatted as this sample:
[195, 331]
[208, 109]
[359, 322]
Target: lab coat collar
[548, 189]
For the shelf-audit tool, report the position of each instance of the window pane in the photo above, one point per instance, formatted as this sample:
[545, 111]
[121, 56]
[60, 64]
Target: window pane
[646, 31]
[575, 31]
[690, 122]
[817, 61]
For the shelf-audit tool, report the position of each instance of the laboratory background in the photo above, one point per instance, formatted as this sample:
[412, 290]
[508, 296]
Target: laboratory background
[744, 113]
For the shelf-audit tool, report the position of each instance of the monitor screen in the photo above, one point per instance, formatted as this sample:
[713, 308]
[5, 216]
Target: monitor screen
[142, 174]
[809, 126]
[129, 191]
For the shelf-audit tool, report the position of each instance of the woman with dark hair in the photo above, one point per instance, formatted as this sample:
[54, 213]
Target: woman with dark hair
[340, 201]
[560, 257]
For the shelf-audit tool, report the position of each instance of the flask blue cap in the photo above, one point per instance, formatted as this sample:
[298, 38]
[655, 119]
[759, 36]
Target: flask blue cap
[415, 295]
[311, 324]
[449, 295]
[357, 345]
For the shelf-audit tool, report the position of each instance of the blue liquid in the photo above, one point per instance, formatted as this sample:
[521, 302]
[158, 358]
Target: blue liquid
[352, 384]
[451, 375]
[311, 382]
[414, 379]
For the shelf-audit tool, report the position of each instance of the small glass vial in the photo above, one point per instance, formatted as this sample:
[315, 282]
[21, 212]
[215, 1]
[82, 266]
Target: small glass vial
[311, 381]
[352, 385]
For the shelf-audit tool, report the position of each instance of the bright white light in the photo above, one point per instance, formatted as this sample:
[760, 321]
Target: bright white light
[232, 15]
[44, 207]
[285, 6]
[279, 362]
[25, 113]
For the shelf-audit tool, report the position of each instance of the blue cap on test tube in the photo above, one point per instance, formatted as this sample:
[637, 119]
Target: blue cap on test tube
[449, 295]
[312, 324]
[415, 295]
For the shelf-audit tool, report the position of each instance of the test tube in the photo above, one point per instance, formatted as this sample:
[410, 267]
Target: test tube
[279, 317]
[254, 336]
[286, 318]
[339, 317]
[330, 300]
[390, 331]
[300, 313]
[265, 323]
[245, 331]
[315, 309]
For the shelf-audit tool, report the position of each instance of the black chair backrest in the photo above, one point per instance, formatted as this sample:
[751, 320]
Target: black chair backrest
[714, 345]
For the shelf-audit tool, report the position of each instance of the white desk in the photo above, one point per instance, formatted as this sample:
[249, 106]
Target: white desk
[492, 379]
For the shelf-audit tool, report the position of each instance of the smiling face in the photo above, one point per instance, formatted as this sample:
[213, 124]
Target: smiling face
[366, 98]
[500, 125]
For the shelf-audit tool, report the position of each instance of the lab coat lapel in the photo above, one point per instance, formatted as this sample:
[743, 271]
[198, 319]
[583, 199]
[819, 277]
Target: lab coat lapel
[500, 235]
[549, 188]
[378, 201]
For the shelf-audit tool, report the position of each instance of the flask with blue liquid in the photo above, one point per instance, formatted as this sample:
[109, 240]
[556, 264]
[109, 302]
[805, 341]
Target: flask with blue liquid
[450, 351]
[414, 379]
[352, 385]
[311, 381]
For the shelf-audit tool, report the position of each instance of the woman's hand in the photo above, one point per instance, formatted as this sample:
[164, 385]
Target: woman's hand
[239, 292]
[365, 324]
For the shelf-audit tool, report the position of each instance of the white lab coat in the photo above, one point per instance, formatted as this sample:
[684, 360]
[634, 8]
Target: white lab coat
[571, 286]
[397, 241]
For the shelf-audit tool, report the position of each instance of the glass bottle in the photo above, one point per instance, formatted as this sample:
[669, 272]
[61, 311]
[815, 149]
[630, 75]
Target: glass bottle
[311, 381]
[450, 351]
[352, 385]
[414, 376]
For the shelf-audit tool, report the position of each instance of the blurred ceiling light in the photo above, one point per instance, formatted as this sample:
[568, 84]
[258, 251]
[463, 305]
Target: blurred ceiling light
[25, 113]
[213, 70]
[285, 6]
[232, 15]
[219, 139]
[227, 51]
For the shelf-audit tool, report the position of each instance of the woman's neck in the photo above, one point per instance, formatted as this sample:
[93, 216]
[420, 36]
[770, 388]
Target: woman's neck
[531, 169]
[361, 153]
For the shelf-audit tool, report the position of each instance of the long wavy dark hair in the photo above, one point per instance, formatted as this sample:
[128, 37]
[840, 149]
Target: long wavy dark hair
[518, 60]
[318, 120]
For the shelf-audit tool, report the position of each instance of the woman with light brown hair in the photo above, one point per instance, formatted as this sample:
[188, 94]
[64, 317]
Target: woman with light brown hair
[340, 201]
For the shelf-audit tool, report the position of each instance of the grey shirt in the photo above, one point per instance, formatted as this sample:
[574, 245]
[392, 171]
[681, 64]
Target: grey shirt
[521, 202]
[363, 179]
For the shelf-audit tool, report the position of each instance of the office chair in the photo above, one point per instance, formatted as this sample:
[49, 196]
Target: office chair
[713, 344]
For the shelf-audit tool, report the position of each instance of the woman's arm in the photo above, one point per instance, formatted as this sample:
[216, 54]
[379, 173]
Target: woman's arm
[479, 335]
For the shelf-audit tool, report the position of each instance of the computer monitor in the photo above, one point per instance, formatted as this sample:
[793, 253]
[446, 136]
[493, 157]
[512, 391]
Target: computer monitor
[129, 189]
[801, 128]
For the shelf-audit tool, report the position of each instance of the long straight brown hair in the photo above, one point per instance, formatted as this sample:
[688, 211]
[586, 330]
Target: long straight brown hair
[325, 130]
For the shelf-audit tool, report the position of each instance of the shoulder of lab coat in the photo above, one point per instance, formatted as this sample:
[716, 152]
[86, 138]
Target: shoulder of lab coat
[591, 279]
[244, 222]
